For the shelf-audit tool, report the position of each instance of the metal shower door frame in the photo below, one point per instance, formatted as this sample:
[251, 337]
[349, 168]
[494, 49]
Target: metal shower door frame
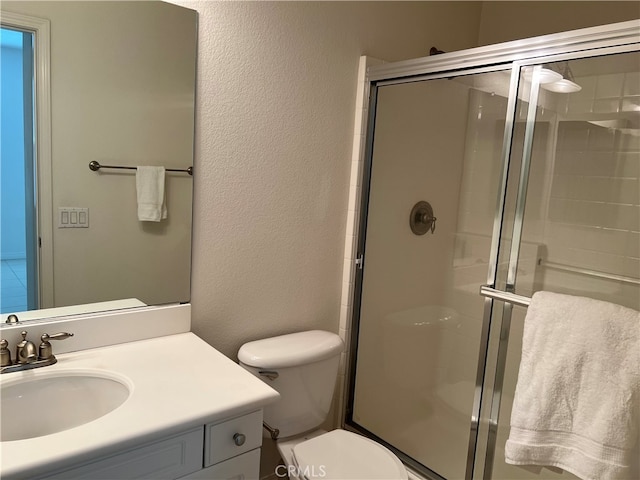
[595, 41]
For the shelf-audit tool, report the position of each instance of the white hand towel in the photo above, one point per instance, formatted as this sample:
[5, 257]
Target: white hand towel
[150, 192]
[577, 399]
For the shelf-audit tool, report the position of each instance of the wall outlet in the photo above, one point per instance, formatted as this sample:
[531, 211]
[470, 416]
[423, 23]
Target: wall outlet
[73, 217]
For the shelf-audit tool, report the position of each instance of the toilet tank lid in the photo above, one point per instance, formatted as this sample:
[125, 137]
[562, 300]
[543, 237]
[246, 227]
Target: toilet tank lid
[291, 350]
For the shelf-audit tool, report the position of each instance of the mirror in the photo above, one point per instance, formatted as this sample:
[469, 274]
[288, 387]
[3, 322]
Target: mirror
[122, 93]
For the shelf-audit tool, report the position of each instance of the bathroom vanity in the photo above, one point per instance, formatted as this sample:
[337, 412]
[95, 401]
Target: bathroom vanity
[175, 408]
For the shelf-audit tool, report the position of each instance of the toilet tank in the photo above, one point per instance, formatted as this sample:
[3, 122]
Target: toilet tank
[303, 368]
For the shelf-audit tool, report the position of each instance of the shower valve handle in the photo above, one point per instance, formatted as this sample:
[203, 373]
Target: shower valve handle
[421, 219]
[429, 220]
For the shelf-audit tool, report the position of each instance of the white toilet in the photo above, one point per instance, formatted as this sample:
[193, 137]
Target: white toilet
[303, 368]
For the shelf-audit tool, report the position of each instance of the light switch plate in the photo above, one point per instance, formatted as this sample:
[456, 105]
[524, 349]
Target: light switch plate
[73, 217]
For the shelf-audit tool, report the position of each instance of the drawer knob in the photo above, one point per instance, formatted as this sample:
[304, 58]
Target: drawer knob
[239, 439]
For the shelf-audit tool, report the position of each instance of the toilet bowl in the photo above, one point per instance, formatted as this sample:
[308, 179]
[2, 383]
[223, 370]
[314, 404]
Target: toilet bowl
[303, 368]
[340, 454]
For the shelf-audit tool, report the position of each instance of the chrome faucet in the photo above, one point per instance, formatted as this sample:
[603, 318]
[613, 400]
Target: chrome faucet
[27, 357]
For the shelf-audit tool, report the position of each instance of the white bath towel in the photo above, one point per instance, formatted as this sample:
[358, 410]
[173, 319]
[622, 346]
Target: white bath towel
[577, 399]
[150, 192]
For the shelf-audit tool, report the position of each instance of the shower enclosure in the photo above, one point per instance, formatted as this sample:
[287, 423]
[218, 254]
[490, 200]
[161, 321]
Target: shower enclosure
[490, 174]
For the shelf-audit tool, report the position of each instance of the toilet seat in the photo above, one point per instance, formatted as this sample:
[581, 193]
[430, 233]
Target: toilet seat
[344, 455]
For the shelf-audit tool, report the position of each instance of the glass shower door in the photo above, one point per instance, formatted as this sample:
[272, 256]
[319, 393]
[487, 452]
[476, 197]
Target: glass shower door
[577, 214]
[420, 330]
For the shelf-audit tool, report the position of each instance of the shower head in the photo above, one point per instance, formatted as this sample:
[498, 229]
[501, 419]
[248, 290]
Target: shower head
[565, 84]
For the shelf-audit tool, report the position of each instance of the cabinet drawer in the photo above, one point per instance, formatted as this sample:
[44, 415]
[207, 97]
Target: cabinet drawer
[167, 459]
[242, 467]
[233, 437]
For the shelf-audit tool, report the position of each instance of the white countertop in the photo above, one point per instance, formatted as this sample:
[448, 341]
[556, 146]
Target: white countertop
[179, 382]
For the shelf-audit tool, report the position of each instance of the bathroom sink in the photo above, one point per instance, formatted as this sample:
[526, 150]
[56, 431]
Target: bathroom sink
[51, 403]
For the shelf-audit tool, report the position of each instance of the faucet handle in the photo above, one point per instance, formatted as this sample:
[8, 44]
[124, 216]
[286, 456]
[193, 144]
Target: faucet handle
[56, 336]
[44, 350]
[5, 354]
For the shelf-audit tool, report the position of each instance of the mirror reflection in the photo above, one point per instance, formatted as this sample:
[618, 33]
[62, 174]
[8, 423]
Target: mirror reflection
[122, 93]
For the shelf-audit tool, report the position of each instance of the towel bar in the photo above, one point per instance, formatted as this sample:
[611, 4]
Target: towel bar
[513, 298]
[95, 166]
[591, 273]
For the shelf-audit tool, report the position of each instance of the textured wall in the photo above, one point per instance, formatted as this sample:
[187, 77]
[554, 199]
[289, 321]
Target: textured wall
[276, 96]
[505, 21]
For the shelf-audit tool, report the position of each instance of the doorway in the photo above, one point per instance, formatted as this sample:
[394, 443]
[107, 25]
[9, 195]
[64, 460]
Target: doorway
[19, 242]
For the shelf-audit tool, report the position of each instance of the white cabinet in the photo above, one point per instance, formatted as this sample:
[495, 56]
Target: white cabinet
[224, 450]
[169, 458]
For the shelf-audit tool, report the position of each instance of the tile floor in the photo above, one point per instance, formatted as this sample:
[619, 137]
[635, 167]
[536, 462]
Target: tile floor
[13, 286]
